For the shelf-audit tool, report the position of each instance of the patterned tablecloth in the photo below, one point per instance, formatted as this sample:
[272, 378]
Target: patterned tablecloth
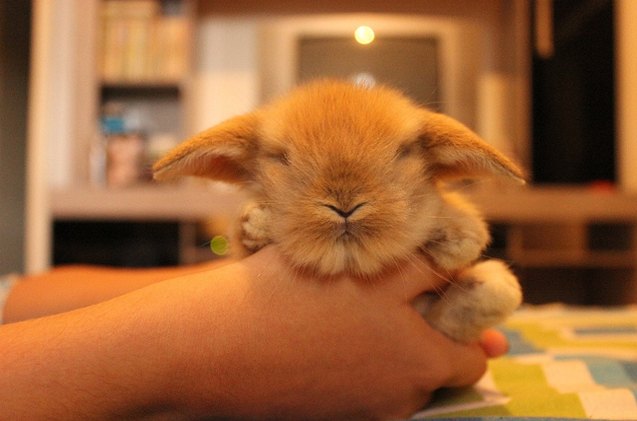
[565, 363]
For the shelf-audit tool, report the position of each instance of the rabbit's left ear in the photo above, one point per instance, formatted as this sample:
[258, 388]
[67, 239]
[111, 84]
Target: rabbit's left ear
[225, 152]
[456, 151]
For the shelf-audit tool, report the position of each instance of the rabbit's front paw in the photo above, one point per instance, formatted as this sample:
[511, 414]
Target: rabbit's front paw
[450, 249]
[255, 221]
[481, 297]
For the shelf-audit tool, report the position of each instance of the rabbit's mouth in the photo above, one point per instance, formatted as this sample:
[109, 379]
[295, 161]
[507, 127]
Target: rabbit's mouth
[344, 230]
[348, 232]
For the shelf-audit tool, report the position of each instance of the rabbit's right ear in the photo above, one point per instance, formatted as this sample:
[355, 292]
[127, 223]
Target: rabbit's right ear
[456, 151]
[225, 152]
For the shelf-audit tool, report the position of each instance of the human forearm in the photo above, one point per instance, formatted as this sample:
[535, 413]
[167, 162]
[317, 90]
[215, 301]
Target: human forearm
[155, 352]
[158, 351]
[69, 287]
[101, 362]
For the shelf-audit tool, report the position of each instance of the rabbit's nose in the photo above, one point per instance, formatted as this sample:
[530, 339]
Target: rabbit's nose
[345, 213]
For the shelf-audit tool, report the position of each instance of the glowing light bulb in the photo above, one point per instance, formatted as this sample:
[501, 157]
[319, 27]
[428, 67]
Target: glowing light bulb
[364, 35]
[364, 79]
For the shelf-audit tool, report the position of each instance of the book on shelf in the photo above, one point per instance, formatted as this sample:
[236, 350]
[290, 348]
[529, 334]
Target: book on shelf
[140, 43]
[123, 152]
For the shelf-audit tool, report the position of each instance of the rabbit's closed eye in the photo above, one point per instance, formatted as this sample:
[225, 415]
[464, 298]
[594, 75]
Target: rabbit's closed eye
[407, 150]
[278, 156]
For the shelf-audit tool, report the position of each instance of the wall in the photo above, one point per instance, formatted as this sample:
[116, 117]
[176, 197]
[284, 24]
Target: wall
[626, 88]
[234, 68]
[225, 80]
[14, 72]
[61, 114]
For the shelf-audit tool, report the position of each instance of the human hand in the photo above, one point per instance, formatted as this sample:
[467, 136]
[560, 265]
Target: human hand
[265, 342]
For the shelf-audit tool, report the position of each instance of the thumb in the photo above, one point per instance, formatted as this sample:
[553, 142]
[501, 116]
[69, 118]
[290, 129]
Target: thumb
[470, 365]
[471, 359]
[494, 343]
[466, 363]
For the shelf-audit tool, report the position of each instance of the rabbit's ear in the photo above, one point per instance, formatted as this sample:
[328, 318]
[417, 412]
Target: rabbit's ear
[458, 152]
[224, 152]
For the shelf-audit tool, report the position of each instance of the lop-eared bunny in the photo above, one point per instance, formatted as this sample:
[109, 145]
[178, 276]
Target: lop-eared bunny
[347, 179]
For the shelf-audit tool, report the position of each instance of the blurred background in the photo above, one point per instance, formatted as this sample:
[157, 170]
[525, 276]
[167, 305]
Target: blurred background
[93, 91]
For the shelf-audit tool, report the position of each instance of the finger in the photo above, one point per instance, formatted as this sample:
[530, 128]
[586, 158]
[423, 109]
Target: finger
[494, 343]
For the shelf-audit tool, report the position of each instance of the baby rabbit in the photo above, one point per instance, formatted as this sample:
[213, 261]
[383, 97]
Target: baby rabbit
[348, 179]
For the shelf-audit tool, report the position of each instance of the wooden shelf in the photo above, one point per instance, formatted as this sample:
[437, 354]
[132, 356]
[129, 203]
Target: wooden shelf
[558, 217]
[151, 202]
[141, 84]
[528, 205]
[554, 204]
[550, 227]
[575, 258]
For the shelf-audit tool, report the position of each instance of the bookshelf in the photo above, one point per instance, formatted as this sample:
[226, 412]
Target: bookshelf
[143, 66]
[143, 59]
[111, 83]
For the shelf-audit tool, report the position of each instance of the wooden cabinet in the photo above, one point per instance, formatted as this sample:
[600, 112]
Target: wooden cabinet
[573, 244]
